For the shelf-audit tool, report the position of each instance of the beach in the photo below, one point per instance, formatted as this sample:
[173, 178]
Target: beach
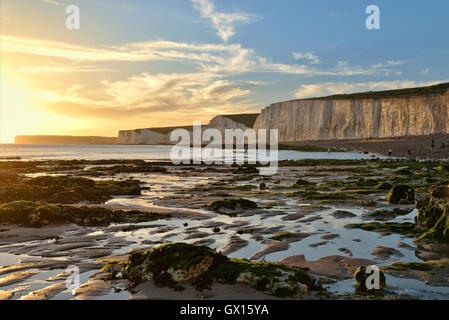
[324, 216]
[420, 146]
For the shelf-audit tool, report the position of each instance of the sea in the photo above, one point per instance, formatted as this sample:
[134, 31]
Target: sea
[154, 152]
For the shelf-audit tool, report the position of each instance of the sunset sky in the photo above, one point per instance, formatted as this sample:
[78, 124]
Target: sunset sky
[144, 63]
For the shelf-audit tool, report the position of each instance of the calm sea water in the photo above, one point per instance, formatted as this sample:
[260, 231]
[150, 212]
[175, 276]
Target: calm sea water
[144, 152]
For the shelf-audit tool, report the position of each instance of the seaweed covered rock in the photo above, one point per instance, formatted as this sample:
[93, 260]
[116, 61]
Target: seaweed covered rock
[302, 183]
[384, 186]
[172, 264]
[65, 189]
[364, 277]
[233, 204]
[248, 169]
[400, 193]
[433, 220]
[439, 192]
[35, 214]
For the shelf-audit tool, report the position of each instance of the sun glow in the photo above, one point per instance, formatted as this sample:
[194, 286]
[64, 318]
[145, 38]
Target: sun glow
[19, 112]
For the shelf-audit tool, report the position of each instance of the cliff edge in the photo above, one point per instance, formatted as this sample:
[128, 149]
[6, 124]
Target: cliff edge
[393, 113]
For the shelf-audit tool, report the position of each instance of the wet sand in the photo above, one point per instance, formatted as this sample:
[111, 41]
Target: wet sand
[286, 226]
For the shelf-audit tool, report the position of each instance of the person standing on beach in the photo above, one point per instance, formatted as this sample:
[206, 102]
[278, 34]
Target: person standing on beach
[390, 152]
[433, 143]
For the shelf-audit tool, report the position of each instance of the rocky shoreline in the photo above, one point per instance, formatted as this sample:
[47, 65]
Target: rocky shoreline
[420, 146]
[300, 234]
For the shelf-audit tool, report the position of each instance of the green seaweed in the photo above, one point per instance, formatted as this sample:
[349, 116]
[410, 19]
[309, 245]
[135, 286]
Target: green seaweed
[35, 214]
[65, 189]
[404, 228]
[401, 193]
[233, 204]
[175, 263]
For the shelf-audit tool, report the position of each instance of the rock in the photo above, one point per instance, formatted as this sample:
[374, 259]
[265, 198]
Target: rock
[401, 192]
[330, 236]
[341, 214]
[361, 277]
[433, 221]
[385, 252]
[272, 247]
[384, 186]
[35, 214]
[302, 183]
[439, 192]
[322, 243]
[177, 263]
[290, 236]
[233, 204]
[404, 246]
[345, 250]
[236, 243]
[262, 186]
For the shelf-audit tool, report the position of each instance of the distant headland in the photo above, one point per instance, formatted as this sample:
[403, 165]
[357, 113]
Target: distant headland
[51, 139]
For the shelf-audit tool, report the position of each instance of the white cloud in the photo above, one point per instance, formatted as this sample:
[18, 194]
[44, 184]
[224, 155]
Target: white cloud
[224, 23]
[62, 69]
[204, 90]
[332, 88]
[57, 3]
[306, 56]
[212, 58]
[199, 94]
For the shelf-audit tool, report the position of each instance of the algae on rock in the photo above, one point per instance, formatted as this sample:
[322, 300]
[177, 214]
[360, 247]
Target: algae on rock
[172, 264]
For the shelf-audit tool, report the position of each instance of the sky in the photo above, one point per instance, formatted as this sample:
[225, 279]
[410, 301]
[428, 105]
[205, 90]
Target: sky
[149, 63]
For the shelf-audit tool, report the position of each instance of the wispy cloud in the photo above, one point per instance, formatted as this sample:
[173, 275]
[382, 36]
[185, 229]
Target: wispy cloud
[209, 87]
[224, 23]
[306, 56]
[56, 3]
[332, 88]
[212, 58]
[62, 69]
[144, 94]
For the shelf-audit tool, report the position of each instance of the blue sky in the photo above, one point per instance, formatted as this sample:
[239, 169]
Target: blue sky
[142, 63]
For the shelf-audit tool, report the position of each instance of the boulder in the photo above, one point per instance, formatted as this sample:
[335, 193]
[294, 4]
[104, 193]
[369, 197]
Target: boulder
[401, 193]
[361, 276]
[177, 263]
[439, 192]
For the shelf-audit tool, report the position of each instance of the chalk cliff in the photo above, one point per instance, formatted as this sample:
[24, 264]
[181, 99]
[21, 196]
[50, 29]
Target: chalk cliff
[162, 135]
[416, 111]
[234, 121]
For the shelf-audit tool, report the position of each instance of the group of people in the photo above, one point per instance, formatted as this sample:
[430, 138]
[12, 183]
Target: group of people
[432, 146]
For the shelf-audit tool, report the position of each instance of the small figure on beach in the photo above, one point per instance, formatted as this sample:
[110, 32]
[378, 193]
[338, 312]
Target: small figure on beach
[433, 143]
[390, 152]
[409, 153]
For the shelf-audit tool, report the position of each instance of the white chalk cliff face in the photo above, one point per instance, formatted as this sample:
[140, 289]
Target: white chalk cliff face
[301, 120]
